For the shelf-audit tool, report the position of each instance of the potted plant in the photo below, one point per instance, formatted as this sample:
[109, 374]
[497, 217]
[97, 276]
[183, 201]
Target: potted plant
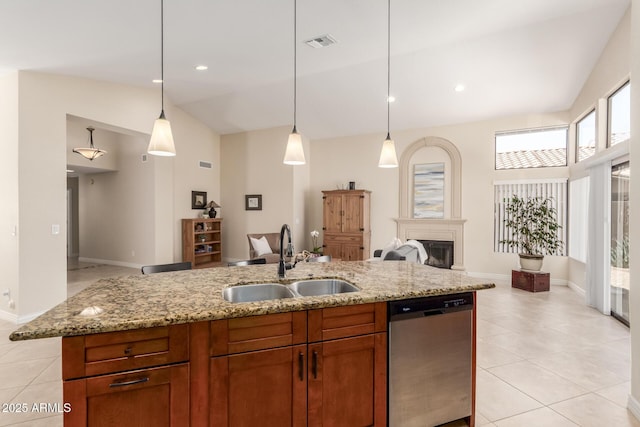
[314, 237]
[533, 226]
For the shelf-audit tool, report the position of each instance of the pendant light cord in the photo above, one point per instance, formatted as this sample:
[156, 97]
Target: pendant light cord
[162, 53]
[388, 66]
[295, 62]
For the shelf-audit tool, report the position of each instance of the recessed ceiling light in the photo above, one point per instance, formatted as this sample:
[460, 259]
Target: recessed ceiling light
[391, 98]
[157, 80]
[459, 88]
[201, 67]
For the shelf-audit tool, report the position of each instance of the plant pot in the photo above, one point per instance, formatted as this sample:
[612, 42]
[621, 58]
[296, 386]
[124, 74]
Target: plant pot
[531, 262]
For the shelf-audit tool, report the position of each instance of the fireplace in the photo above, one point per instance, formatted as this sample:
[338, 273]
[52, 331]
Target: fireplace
[440, 253]
[436, 230]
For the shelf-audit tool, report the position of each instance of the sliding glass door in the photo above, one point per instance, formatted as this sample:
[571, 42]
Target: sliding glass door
[620, 242]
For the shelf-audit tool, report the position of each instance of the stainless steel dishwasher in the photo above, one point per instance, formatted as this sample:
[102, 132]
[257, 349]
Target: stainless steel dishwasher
[430, 345]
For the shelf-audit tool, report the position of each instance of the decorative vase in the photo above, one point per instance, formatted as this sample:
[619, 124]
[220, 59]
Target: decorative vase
[212, 213]
[531, 262]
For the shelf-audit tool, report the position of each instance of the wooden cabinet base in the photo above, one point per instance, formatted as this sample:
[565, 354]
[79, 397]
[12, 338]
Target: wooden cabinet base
[530, 281]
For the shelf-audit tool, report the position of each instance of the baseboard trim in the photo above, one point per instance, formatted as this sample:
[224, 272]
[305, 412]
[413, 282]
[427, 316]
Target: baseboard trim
[110, 262]
[29, 317]
[577, 289]
[634, 406]
[9, 317]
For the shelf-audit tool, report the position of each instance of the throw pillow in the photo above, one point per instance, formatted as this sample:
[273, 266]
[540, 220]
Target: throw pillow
[261, 246]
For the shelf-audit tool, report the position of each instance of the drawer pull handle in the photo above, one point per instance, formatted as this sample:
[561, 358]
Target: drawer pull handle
[127, 351]
[301, 366]
[132, 382]
[314, 365]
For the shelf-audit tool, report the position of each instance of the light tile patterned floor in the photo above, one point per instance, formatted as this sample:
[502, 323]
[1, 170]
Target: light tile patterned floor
[544, 359]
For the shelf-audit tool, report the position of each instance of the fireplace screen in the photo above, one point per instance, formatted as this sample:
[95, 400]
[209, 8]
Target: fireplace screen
[440, 253]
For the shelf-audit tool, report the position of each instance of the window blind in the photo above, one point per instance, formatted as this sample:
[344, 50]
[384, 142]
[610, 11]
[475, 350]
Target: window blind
[556, 189]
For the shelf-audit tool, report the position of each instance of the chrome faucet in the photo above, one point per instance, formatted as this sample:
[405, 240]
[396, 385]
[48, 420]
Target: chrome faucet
[282, 267]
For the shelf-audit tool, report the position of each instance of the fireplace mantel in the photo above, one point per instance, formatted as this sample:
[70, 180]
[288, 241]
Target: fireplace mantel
[435, 229]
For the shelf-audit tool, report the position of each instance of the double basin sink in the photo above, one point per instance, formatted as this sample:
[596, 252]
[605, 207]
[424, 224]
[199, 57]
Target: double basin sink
[301, 288]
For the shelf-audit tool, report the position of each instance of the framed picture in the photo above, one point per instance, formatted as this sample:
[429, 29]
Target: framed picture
[253, 202]
[198, 199]
[428, 190]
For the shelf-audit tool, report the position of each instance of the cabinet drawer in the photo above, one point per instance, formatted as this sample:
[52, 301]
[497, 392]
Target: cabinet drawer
[341, 322]
[258, 332]
[154, 396]
[341, 238]
[121, 351]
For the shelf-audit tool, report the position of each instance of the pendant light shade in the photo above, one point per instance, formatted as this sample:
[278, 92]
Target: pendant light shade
[388, 158]
[91, 152]
[161, 143]
[294, 154]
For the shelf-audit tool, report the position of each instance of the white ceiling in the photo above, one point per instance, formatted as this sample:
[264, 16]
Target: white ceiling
[513, 57]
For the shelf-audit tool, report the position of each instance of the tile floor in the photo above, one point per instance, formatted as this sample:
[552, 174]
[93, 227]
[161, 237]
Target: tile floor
[544, 359]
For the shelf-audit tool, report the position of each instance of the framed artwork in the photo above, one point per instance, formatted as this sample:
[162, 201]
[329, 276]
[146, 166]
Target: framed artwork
[253, 202]
[198, 199]
[428, 190]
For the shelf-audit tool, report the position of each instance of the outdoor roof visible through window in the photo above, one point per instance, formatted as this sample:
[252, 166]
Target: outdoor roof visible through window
[533, 148]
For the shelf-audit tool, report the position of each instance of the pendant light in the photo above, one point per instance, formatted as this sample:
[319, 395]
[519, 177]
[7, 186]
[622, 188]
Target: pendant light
[388, 158]
[294, 154]
[161, 143]
[91, 152]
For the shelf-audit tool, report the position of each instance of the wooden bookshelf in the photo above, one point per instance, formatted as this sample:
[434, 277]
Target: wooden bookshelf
[202, 241]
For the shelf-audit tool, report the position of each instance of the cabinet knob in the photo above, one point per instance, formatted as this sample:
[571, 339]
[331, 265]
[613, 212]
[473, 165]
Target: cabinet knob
[128, 351]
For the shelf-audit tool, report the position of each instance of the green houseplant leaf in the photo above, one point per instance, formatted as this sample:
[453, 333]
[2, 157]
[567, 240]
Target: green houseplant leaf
[533, 225]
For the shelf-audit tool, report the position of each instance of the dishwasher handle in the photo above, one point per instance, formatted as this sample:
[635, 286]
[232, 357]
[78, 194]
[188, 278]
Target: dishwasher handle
[434, 312]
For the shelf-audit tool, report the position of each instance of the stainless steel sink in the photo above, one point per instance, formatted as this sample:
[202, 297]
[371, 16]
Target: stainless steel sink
[315, 287]
[256, 292]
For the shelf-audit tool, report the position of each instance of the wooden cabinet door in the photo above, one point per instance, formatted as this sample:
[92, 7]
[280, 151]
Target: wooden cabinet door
[352, 220]
[265, 388]
[153, 397]
[333, 249]
[352, 253]
[347, 382]
[332, 211]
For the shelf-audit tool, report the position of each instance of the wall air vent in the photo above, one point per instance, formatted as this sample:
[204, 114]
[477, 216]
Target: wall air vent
[205, 165]
[321, 41]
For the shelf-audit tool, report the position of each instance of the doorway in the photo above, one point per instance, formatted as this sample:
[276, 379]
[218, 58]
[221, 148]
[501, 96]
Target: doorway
[619, 276]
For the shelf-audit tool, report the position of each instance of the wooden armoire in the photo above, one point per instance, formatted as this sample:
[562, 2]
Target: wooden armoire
[346, 224]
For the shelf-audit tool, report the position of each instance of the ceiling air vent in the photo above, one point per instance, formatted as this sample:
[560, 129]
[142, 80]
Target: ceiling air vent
[205, 165]
[321, 41]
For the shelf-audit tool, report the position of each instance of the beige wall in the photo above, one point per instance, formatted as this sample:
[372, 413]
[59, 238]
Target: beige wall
[253, 165]
[9, 261]
[634, 401]
[611, 70]
[338, 160]
[115, 207]
[45, 101]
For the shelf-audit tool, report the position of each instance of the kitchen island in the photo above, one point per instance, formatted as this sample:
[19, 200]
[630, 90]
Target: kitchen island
[167, 349]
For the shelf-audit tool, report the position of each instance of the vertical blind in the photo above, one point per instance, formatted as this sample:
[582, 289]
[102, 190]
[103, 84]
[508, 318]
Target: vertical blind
[556, 189]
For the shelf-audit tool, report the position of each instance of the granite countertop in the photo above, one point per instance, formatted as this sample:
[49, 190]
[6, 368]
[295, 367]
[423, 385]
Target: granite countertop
[196, 295]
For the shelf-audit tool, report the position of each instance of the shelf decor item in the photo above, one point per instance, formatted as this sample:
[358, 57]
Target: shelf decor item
[533, 229]
[211, 207]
